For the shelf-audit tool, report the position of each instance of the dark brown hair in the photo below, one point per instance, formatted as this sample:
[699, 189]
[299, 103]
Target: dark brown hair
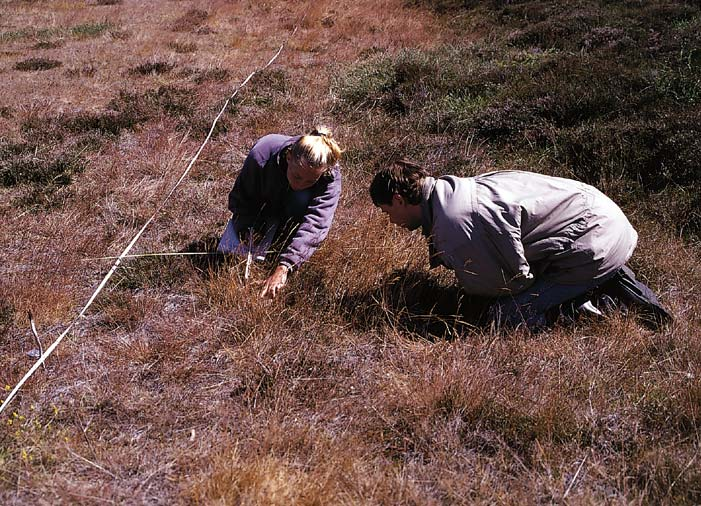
[402, 177]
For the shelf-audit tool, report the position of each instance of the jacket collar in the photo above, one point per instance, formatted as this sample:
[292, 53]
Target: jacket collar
[429, 184]
[280, 156]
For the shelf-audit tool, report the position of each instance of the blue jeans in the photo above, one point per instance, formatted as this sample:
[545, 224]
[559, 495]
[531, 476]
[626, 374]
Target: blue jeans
[294, 209]
[530, 306]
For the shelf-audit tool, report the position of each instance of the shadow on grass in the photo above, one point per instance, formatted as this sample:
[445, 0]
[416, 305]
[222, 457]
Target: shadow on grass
[417, 303]
[209, 261]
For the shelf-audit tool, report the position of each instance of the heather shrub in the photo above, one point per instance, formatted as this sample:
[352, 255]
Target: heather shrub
[450, 6]
[37, 64]
[265, 89]
[90, 30]
[137, 108]
[48, 44]
[20, 164]
[153, 68]
[190, 21]
[213, 74]
[107, 123]
[561, 30]
[656, 152]
[183, 47]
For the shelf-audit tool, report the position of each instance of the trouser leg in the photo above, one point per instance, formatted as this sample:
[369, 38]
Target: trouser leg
[229, 242]
[531, 306]
[258, 242]
[625, 288]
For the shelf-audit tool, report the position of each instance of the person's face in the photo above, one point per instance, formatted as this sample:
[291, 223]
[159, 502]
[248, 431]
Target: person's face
[401, 213]
[300, 174]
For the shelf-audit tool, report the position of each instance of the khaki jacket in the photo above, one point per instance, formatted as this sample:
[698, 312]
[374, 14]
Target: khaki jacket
[501, 231]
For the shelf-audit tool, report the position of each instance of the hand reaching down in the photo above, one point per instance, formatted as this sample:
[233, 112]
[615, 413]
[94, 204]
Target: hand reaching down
[274, 284]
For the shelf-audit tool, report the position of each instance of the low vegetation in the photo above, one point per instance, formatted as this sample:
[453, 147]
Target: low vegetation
[371, 380]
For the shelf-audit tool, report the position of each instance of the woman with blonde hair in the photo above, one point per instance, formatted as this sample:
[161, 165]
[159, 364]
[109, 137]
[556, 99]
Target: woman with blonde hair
[286, 194]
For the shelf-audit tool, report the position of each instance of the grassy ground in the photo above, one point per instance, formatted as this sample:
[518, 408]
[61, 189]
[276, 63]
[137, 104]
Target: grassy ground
[365, 383]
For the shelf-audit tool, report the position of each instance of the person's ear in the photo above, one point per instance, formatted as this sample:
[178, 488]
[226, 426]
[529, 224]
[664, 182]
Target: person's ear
[397, 199]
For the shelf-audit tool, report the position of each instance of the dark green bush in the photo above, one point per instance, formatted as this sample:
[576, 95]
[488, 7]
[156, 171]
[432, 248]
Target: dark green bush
[104, 123]
[655, 152]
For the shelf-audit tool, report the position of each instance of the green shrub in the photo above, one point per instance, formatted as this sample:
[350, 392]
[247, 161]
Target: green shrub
[656, 152]
[89, 30]
[679, 79]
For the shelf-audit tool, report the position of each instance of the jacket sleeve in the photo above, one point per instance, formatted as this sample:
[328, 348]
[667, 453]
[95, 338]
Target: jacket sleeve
[315, 226]
[502, 228]
[245, 201]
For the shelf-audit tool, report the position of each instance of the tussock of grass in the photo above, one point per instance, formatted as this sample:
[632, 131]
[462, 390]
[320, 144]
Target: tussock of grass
[24, 163]
[81, 31]
[37, 64]
[89, 30]
[190, 21]
[183, 47]
[153, 68]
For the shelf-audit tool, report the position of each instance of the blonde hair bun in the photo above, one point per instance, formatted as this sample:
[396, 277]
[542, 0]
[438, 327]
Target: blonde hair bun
[318, 148]
[321, 131]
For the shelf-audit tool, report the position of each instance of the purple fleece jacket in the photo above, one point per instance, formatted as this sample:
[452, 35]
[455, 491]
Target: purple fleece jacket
[259, 193]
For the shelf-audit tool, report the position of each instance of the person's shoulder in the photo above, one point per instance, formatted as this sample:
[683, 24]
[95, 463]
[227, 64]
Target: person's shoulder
[269, 145]
[448, 184]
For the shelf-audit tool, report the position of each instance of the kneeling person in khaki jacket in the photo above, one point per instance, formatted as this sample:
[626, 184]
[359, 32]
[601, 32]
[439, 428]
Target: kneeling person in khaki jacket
[532, 242]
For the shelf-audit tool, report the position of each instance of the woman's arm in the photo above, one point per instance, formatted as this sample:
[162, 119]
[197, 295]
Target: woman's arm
[245, 200]
[315, 226]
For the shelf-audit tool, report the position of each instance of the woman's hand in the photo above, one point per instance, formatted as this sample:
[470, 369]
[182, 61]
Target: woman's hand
[273, 285]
